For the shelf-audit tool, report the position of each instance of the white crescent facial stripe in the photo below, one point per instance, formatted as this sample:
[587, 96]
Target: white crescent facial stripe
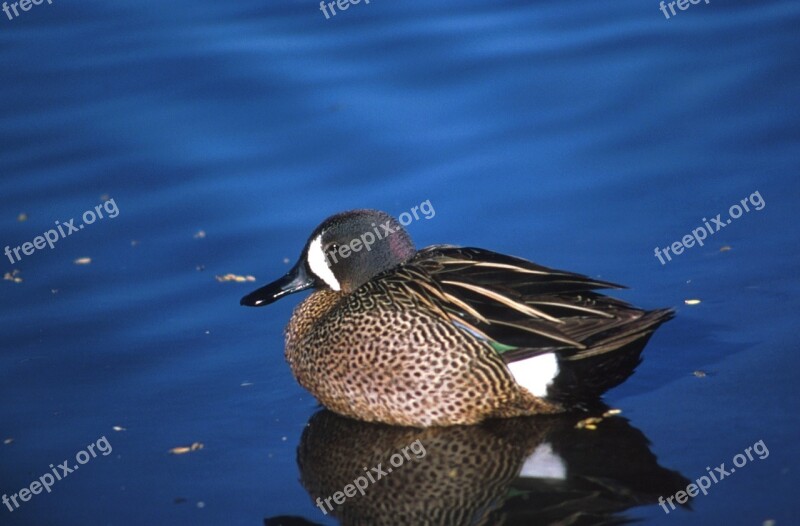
[319, 264]
[535, 374]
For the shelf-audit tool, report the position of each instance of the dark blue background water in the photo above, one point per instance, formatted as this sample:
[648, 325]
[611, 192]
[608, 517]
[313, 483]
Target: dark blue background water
[580, 135]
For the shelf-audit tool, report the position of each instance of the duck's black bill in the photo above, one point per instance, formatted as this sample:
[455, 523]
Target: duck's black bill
[294, 281]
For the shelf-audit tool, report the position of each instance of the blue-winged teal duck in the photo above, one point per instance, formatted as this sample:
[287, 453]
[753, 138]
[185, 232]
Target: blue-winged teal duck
[448, 335]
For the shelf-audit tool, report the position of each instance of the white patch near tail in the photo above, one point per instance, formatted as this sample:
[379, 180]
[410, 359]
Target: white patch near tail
[536, 373]
[544, 464]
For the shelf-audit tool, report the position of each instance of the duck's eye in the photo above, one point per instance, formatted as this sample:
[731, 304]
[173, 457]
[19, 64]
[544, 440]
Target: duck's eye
[330, 254]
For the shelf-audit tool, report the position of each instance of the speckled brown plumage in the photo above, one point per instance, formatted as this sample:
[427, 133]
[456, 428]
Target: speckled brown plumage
[379, 355]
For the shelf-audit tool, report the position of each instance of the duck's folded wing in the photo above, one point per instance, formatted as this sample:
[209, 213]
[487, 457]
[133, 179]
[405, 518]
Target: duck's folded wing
[512, 300]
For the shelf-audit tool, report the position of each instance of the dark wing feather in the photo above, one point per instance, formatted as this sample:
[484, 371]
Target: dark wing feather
[518, 303]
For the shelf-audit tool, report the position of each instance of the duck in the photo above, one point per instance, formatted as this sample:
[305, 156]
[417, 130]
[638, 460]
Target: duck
[448, 335]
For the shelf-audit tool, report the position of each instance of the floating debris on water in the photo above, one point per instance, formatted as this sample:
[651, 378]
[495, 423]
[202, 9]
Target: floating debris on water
[181, 450]
[8, 441]
[118, 428]
[22, 217]
[82, 261]
[201, 234]
[725, 248]
[13, 276]
[692, 302]
[700, 374]
[591, 422]
[234, 277]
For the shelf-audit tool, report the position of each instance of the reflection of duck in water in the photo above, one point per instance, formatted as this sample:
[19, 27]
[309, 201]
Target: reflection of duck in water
[538, 470]
[448, 335]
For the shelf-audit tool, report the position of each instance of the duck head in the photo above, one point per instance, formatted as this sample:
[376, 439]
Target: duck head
[343, 253]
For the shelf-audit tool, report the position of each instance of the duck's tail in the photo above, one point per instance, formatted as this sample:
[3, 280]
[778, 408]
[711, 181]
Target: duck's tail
[574, 377]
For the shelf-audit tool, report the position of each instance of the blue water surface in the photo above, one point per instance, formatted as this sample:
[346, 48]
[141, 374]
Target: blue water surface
[580, 135]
